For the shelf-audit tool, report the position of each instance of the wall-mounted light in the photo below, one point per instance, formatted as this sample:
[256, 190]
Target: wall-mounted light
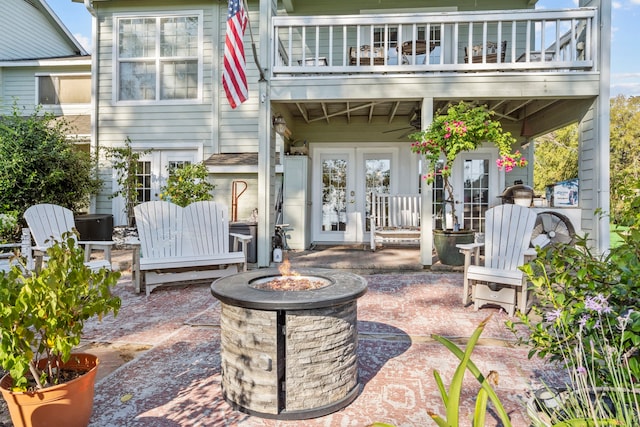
[280, 126]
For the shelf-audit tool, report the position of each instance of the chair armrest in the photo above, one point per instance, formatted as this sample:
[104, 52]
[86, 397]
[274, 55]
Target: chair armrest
[243, 239]
[469, 246]
[470, 250]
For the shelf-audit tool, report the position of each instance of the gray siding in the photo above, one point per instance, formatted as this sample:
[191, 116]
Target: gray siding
[331, 7]
[188, 123]
[239, 127]
[587, 173]
[249, 199]
[19, 85]
[26, 33]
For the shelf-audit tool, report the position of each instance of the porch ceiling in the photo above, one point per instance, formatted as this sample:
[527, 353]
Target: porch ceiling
[532, 117]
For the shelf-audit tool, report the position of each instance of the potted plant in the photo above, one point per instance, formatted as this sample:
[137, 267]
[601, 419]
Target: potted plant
[462, 128]
[42, 317]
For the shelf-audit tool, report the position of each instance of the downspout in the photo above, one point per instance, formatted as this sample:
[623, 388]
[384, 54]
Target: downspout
[94, 91]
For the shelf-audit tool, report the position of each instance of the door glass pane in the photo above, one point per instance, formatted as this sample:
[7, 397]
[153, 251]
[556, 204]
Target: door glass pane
[334, 195]
[143, 175]
[438, 197]
[377, 179]
[476, 193]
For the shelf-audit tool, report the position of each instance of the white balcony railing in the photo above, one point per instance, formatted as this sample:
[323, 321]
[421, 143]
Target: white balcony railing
[518, 40]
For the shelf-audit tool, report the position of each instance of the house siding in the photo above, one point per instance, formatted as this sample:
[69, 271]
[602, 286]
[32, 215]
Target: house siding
[216, 128]
[331, 7]
[19, 85]
[238, 129]
[247, 202]
[210, 124]
[587, 174]
[229, 131]
[18, 15]
[155, 123]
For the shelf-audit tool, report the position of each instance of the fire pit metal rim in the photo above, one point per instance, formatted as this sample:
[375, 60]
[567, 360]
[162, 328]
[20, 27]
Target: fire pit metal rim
[234, 290]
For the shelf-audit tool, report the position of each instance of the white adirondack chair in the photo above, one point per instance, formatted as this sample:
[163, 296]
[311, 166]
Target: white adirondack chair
[48, 222]
[499, 281]
[178, 244]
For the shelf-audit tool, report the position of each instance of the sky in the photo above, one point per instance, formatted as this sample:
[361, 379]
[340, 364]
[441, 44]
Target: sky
[625, 62]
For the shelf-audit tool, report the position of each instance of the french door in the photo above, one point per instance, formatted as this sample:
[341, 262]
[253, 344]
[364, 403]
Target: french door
[342, 180]
[154, 170]
[152, 174]
[476, 184]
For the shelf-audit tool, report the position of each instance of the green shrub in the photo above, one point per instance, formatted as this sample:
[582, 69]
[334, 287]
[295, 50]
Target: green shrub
[38, 164]
[188, 184]
[571, 285]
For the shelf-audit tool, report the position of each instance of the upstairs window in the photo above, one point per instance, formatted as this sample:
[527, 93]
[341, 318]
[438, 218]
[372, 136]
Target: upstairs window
[159, 58]
[64, 89]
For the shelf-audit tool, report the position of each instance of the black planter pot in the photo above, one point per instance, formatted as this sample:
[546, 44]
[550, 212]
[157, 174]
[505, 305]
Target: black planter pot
[445, 242]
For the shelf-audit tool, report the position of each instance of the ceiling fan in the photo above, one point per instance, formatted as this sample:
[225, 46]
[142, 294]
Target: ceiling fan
[415, 124]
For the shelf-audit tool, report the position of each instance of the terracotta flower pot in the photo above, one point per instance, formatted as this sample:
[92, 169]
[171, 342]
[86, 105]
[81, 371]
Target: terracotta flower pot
[68, 404]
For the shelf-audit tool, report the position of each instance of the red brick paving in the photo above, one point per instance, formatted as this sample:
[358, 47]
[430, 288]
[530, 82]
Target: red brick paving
[177, 381]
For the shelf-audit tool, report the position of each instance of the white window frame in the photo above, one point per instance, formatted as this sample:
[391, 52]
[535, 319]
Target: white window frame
[116, 59]
[69, 108]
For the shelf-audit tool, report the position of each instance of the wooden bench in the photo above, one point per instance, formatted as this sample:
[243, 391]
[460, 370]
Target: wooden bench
[395, 218]
[179, 244]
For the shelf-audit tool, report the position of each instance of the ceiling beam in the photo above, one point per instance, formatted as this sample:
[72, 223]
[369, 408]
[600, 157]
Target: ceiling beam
[303, 111]
[394, 110]
[324, 110]
[288, 5]
[341, 112]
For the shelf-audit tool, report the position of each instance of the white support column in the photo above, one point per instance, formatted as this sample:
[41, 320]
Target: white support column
[426, 219]
[603, 107]
[266, 146]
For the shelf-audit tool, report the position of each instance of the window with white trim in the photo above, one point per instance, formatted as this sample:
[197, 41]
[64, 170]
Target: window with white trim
[159, 58]
[55, 89]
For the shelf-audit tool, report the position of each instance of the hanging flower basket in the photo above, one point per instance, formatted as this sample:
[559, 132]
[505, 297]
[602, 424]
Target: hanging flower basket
[463, 128]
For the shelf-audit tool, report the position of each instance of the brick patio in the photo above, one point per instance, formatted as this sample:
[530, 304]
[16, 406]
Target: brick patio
[174, 376]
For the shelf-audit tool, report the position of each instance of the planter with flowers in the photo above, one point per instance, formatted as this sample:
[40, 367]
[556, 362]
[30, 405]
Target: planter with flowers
[463, 128]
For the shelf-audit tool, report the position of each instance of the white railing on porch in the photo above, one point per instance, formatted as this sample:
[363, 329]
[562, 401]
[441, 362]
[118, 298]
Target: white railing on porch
[516, 40]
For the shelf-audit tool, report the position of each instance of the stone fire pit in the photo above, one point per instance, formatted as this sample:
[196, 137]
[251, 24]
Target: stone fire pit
[289, 354]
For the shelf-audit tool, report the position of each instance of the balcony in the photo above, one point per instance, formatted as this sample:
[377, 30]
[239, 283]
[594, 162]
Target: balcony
[487, 41]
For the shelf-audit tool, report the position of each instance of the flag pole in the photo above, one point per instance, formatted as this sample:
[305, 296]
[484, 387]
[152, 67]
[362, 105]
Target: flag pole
[253, 44]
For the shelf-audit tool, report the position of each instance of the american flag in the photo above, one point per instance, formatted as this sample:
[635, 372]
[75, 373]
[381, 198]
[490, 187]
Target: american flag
[234, 78]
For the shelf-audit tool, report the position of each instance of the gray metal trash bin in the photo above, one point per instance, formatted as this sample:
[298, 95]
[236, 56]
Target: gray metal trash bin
[251, 229]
